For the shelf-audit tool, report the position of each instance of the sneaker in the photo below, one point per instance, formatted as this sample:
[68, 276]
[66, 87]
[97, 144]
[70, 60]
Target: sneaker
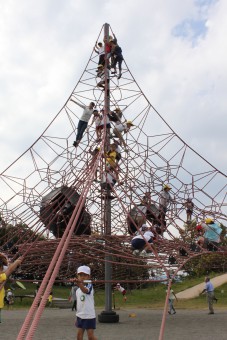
[211, 313]
[143, 253]
[169, 312]
[136, 252]
[108, 197]
[76, 143]
[119, 77]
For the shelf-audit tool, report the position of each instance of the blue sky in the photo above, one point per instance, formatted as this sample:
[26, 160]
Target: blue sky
[194, 27]
[191, 30]
[175, 49]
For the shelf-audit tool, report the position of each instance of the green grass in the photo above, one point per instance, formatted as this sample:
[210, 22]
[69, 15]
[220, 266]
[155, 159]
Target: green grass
[151, 297]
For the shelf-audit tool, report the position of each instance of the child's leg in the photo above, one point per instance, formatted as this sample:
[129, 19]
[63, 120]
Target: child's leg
[97, 132]
[90, 334]
[0, 315]
[171, 308]
[119, 135]
[80, 334]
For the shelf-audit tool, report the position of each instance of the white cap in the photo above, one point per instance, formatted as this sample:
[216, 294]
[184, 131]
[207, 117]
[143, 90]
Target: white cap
[84, 269]
[144, 227]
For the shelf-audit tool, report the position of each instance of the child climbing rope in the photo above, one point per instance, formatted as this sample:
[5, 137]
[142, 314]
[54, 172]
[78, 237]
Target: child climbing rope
[121, 290]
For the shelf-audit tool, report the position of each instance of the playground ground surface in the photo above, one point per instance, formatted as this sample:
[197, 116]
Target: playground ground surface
[58, 324]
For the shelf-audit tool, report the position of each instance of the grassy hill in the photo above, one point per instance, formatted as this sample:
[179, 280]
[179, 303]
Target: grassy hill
[153, 296]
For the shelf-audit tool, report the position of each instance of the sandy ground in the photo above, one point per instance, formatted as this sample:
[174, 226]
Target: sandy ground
[58, 324]
[196, 290]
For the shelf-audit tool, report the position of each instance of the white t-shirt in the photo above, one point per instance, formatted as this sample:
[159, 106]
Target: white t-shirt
[141, 211]
[86, 115]
[118, 149]
[171, 295]
[85, 303]
[9, 296]
[120, 126]
[120, 289]
[98, 121]
[107, 120]
[101, 50]
[165, 198]
[147, 236]
[108, 178]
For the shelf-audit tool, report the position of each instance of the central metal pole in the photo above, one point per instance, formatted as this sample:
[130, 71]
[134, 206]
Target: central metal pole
[107, 316]
[108, 257]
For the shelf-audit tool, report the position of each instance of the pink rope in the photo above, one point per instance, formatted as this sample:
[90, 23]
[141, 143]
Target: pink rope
[54, 266]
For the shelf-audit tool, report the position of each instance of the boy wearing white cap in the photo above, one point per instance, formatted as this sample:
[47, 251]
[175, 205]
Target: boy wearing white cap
[86, 318]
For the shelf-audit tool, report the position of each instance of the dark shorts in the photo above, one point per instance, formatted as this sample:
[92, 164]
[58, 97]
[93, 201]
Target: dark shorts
[107, 125]
[118, 157]
[138, 243]
[85, 323]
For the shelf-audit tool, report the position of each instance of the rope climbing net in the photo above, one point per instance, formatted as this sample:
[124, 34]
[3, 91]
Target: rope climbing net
[35, 189]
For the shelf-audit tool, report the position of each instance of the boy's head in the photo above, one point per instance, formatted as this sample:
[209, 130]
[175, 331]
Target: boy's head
[209, 220]
[144, 227]
[113, 146]
[167, 187]
[100, 44]
[91, 105]
[129, 123]
[84, 272]
[3, 261]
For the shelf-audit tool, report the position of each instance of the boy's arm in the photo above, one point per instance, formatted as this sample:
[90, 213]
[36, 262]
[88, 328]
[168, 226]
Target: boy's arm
[12, 267]
[81, 105]
[93, 120]
[81, 285]
[203, 291]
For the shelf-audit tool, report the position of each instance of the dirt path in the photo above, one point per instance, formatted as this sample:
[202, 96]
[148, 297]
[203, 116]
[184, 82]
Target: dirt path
[196, 290]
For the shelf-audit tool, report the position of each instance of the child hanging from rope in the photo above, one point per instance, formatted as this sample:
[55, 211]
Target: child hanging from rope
[117, 57]
[97, 118]
[105, 121]
[99, 49]
[101, 75]
[122, 128]
[111, 156]
[189, 205]
[94, 152]
[6, 270]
